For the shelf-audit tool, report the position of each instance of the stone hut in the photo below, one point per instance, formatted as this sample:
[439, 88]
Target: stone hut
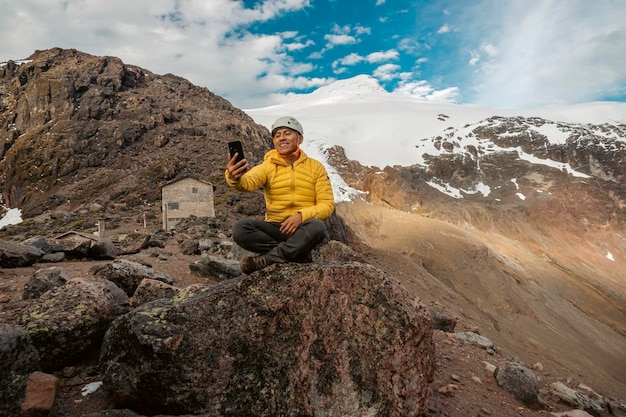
[186, 197]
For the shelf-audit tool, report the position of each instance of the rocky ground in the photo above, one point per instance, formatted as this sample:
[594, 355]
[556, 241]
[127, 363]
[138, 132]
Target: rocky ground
[463, 384]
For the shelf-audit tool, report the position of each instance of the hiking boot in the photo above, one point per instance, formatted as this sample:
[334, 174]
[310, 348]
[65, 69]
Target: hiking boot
[250, 264]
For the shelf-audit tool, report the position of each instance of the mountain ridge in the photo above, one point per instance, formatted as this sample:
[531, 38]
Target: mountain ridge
[67, 115]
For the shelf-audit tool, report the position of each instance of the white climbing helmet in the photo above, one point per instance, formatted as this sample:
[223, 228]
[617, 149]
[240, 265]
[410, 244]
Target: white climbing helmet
[290, 122]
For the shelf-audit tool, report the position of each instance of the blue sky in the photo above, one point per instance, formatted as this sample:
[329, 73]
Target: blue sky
[496, 53]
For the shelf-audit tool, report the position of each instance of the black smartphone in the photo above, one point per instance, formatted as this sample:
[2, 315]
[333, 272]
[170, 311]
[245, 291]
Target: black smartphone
[235, 147]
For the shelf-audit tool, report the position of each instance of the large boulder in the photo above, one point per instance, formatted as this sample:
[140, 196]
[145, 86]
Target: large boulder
[44, 280]
[128, 274]
[133, 243]
[103, 249]
[40, 242]
[16, 255]
[66, 322]
[293, 339]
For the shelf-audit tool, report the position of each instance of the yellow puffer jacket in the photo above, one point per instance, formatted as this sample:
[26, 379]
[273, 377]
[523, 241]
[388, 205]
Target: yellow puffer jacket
[302, 187]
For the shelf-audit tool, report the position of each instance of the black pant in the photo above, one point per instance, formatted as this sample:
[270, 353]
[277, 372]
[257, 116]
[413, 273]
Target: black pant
[266, 238]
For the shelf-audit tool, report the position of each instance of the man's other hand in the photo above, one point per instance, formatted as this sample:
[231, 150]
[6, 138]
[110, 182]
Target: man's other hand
[291, 224]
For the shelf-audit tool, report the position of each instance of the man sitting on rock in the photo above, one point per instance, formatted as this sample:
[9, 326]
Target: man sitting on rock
[298, 197]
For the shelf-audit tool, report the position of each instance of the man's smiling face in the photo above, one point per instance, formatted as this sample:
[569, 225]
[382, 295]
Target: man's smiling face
[286, 140]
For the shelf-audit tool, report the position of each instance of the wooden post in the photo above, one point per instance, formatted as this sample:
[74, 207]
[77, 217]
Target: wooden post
[101, 229]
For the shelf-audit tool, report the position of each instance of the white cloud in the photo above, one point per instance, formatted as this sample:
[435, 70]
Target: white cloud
[476, 55]
[342, 35]
[411, 45]
[489, 49]
[203, 41]
[554, 52]
[362, 30]
[351, 59]
[422, 89]
[372, 58]
[383, 56]
[339, 40]
[387, 72]
[444, 29]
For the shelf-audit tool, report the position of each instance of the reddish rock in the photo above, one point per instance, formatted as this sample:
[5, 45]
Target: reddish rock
[41, 391]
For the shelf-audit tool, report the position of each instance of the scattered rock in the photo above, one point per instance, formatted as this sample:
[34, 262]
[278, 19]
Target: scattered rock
[521, 382]
[128, 274]
[189, 247]
[150, 290]
[617, 408]
[103, 249]
[55, 257]
[442, 320]
[41, 391]
[475, 338]
[572, 413]
[16, 255]
[133, 243]
[216, 268]
[336, 251]
[39, 242]
[489, 367]
[75, 245]
[448, 390]
[573, 398]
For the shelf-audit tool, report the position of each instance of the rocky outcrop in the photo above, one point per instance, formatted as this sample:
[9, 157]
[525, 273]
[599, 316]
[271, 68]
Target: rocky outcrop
[289, 340]
[80, 117]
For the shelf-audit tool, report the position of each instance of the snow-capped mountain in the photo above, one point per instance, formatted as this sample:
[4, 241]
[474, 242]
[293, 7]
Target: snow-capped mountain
[380, 129]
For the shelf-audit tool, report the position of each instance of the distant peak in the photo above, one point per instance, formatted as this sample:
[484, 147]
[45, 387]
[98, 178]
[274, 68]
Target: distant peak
[355, 86]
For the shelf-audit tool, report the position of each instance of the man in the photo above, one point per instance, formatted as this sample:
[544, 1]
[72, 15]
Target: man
[298, 197]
